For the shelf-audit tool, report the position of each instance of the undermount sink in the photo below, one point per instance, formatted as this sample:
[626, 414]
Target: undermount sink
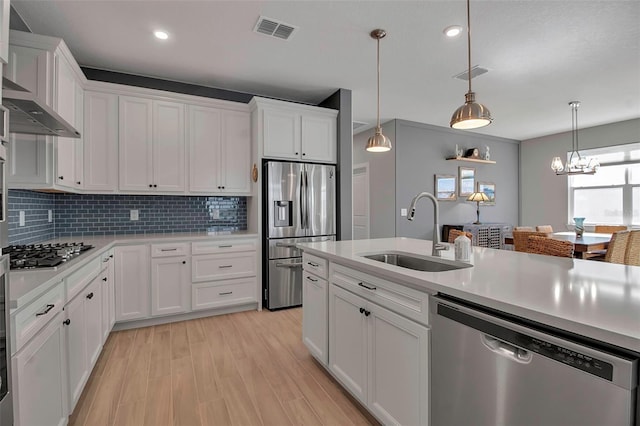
[417, 263]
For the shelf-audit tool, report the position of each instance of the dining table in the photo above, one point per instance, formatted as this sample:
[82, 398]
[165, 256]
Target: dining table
[586, 243]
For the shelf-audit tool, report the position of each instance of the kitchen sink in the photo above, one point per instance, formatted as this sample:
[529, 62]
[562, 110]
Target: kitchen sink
[416, 262]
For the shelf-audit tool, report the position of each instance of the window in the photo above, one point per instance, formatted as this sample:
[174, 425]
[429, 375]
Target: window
[612, 195]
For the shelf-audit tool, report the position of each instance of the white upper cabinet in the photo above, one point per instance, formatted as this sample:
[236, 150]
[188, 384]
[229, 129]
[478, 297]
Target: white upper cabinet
[219, 150]
[151, 142]
[4, 30]
[295, 132]
[100, 142]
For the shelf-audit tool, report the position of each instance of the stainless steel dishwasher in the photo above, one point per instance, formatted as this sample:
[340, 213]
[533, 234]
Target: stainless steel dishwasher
[490, 369]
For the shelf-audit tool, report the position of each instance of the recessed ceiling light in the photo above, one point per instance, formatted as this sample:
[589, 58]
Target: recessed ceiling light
[162, 35]
[452, 31]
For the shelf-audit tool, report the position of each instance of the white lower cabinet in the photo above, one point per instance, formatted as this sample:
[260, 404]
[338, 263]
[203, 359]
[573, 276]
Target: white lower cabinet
[132, 282]
[93, 319]
[108, 294]
[170, 285]
[76, 345]
[381, 357]
[216, 294]
[40, 383]
[314, 316]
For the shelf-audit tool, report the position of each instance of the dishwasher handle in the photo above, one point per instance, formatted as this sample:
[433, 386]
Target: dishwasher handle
[506, 349]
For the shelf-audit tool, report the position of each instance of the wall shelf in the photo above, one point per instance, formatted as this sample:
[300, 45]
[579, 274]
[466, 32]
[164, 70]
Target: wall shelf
[472, 160]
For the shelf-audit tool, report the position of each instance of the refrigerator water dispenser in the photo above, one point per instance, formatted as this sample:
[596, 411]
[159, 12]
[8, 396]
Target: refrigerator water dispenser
[283, 213]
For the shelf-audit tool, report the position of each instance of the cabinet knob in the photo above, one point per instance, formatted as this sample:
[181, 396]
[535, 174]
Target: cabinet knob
[155, 186]
[296, 153]
[61, 177]
[66, 322]
[79, 183]
[367, 313]
[104, 279]
[111, 256]
[362, 310]
[150, 186]
[184, 262]
[223, 187]
[304, 153]
[90, 295]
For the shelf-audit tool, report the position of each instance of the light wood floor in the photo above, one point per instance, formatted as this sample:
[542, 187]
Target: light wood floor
[249, 368]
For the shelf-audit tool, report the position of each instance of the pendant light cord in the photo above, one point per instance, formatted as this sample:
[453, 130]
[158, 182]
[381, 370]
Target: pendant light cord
[378, 61]
[469, 42]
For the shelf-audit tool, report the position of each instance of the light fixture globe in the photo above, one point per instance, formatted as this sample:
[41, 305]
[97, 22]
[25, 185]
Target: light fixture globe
[378, 142]
[471, 115]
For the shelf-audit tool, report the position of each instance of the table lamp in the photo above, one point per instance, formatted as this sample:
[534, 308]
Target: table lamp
[478, 197]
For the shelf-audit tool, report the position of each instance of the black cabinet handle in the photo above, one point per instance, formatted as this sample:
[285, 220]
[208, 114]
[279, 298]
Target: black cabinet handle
[61, 177]
[150, 186]
[110, 256]
[104, 279]
[46, 310]
[366, 286]
[78, 182]
[296, 153]
[225, 293]
[66, 322]
[90, 295]
[304, 153]
[155, 186]
[184, 262]
[367, 313]
[362, 310]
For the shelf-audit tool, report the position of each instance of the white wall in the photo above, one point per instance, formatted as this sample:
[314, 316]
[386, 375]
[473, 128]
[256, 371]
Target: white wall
[543, 195]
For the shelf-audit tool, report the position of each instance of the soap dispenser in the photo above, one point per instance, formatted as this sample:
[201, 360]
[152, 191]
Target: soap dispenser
[462, 248]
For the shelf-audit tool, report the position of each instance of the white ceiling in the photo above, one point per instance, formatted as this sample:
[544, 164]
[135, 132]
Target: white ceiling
[541, 54]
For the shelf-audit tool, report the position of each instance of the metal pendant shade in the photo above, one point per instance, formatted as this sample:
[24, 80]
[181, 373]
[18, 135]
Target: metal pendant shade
[378, 142]
[472, 114]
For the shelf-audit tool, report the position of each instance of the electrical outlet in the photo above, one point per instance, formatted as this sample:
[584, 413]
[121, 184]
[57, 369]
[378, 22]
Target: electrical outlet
[133, 215]
[215, 214]
[403, 212]
[21, 218]
[50, 215]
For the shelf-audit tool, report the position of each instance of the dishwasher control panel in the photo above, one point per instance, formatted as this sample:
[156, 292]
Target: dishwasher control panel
[575, 359]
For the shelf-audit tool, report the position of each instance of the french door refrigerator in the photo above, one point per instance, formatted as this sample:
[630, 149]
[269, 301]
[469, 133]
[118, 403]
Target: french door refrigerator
[299, 207]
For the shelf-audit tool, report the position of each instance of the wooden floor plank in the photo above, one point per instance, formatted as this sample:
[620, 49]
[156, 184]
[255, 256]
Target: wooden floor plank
[179, 340]
[122, 343]
[195, 331]
[301, 413]
[204, 368]
[215, 412]
[159, 404]
[130, 414]
[241, 409]
[160, 364]
[105, 403]
[184, 394]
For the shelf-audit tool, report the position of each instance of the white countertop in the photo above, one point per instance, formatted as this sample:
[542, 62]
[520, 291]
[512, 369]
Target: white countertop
[595, 299]
[26, 285]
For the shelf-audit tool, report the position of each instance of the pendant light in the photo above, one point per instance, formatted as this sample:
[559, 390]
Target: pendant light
[378, 142]
[576, 164]
[471, 115]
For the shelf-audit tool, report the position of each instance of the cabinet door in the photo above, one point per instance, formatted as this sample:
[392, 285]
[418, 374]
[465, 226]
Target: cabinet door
[79, 142]
[27, 159]
[204, 149]
[168, 146]
[111, 300]
[105, 328]
[315, 311]
[93, 319]
[348, 341]
[170, 285]
[319, 138]
[39, 373]
[31, 69]
[281, 133]
[135, 139]
[398, 368]
[132, 282]
[76, 346]
[100, 142]
[4, 31]
[235, 154]
[65, 101]
[65, 161]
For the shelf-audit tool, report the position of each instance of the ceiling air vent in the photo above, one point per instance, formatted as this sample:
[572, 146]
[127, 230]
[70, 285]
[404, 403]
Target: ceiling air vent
[476, 70]
[273, 28]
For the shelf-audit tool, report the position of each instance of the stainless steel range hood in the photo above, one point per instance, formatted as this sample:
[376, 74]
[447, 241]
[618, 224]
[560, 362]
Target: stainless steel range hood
[32, 116]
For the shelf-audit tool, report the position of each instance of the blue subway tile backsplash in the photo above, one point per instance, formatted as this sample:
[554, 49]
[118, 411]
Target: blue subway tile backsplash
[95, 215]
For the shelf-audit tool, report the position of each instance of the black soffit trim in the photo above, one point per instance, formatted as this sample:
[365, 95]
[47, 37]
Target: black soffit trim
[166, 85]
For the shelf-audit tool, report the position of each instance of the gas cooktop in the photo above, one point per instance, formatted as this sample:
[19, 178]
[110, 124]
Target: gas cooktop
[37, 256]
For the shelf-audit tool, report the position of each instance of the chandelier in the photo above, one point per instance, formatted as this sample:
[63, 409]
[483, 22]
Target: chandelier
[576, 164]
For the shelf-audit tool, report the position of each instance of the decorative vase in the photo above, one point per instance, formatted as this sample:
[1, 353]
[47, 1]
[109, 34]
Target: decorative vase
[579, 225]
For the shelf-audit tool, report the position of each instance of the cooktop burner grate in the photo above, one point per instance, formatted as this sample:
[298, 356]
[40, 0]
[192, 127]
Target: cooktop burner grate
[35, 256]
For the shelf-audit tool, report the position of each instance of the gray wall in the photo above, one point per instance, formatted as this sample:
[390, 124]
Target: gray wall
[382, 181]
[544, 198]
[421, 150]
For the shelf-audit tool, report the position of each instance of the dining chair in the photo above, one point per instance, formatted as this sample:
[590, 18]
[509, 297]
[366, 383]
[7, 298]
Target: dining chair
[545, 228]
[455, 233]
[632, 255]
[523, 228]
[521, 239]
[609, 229]
[617, 247]
[549, 246]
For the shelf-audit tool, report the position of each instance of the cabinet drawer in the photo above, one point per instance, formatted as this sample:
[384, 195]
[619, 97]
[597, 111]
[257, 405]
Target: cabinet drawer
[223, 293]
[315, 265]
[406, 301]
[82, 277]
[219, 246]
[222, 266]
[168, 250]
[36, 315]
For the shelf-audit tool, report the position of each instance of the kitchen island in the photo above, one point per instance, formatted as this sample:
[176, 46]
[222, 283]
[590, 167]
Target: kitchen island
[378, 341]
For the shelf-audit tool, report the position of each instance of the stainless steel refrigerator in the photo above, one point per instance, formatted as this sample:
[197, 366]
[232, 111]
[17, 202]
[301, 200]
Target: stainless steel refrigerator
[300, 206]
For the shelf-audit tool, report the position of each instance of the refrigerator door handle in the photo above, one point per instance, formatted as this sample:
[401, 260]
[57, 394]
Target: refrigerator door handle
[307, 201]
[303, 200]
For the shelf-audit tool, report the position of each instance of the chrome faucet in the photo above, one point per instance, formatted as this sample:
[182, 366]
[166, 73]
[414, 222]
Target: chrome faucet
[437, 246]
